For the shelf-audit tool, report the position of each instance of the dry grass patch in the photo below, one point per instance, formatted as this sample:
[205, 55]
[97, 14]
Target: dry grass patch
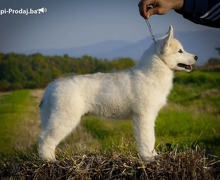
[189, 164]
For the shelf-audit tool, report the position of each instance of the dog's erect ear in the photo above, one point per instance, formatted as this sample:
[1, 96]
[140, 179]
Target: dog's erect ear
[170, 34]
[164, 43]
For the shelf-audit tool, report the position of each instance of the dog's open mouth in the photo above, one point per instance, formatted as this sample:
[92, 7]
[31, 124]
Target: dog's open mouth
[187, 67]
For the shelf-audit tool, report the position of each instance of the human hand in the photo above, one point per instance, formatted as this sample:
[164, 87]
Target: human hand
[159, 7]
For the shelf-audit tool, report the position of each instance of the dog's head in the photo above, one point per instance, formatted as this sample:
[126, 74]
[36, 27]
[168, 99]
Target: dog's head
[172, 53]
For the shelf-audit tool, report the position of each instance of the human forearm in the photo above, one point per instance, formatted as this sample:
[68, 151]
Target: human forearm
[202, 12]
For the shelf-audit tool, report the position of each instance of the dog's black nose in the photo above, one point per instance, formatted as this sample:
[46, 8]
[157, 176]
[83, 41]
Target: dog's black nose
[196, 58]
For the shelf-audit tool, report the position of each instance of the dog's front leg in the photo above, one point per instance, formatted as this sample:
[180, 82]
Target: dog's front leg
[145, 136]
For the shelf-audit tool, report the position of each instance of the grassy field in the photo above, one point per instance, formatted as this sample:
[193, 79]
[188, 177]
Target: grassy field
[19, 121]
[190, 121]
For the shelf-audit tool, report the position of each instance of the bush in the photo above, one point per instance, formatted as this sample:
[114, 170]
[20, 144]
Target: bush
[197, 78]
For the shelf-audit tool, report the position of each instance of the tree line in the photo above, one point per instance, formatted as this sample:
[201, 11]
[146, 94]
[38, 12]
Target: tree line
[19, 71]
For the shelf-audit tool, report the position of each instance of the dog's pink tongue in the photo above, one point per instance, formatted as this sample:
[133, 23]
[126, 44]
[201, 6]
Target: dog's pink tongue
[189, 67]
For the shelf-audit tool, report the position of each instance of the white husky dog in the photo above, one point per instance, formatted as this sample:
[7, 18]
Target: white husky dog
[138, 93]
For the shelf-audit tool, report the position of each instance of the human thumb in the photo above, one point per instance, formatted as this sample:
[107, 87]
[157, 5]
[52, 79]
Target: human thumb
[153, 11]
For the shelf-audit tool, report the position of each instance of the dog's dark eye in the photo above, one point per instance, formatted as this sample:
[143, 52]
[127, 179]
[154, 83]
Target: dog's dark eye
[180, 51]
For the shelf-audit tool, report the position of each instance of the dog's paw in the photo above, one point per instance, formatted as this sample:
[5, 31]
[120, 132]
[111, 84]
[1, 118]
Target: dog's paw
[150, 158]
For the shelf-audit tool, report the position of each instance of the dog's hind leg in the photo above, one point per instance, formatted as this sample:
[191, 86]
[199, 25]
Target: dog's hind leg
[57, 128]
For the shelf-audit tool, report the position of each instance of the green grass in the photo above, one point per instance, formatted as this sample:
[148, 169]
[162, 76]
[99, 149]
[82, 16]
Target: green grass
[106, 148]
[177, 125]
[111, 134]
[13, 108]
[191, 118]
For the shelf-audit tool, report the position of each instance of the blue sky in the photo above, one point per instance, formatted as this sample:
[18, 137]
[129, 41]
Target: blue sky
[75, 23]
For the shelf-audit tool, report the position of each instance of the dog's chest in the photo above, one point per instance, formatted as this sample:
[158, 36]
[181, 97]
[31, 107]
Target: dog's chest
[152, 89]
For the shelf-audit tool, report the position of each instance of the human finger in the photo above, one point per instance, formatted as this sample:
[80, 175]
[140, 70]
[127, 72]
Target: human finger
[143, 7]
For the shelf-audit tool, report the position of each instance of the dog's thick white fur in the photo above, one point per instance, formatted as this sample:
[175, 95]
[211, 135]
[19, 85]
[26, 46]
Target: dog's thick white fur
[138, 93]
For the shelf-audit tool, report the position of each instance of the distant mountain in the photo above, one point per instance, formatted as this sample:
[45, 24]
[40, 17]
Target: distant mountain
[94, 50]
[201, 43]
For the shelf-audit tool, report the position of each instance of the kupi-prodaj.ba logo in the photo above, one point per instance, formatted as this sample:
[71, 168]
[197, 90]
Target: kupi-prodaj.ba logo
[27, 11]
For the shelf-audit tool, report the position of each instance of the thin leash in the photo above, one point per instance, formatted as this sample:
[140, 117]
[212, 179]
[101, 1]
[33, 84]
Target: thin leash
[151, 31]
[149, 26]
